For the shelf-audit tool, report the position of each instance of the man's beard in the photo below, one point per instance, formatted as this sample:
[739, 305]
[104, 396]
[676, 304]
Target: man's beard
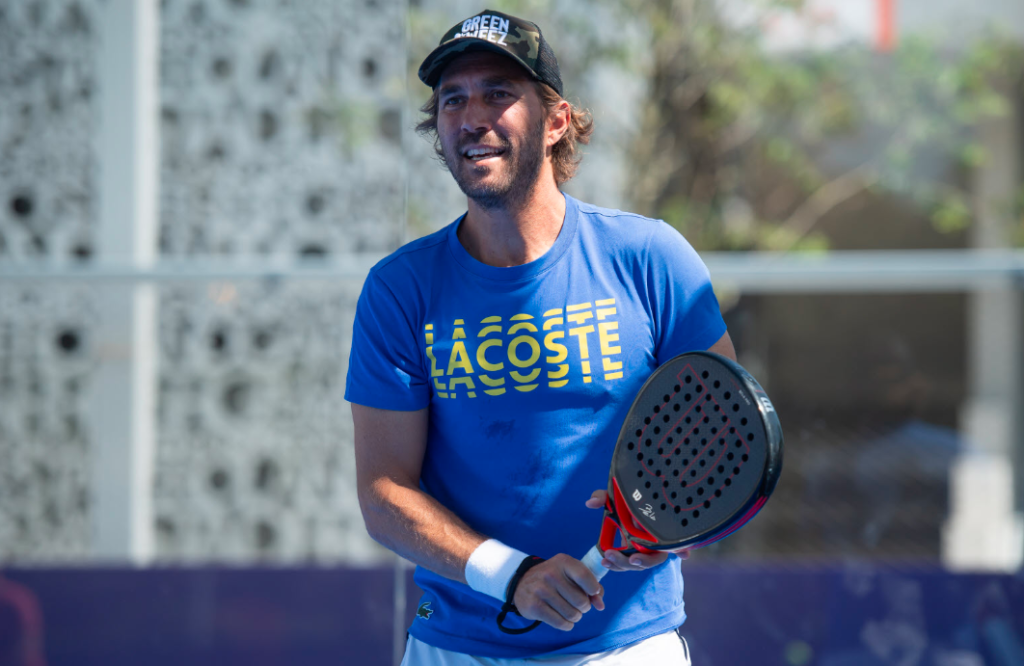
[522, 168]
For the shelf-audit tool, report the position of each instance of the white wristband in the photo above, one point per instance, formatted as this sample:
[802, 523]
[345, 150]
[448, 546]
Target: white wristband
[491, 567]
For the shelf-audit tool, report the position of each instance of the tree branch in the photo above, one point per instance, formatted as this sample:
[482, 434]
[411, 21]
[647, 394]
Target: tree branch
[825, 199]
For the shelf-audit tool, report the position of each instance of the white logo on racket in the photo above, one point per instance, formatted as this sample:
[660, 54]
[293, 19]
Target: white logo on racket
[648, 511]
[766, 403]
[637, 496]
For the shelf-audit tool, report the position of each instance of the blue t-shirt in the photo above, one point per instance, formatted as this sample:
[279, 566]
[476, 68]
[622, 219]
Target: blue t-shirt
[528, 372]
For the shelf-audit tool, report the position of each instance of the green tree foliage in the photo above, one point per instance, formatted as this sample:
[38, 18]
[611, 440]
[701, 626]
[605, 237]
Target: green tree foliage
[743, 149]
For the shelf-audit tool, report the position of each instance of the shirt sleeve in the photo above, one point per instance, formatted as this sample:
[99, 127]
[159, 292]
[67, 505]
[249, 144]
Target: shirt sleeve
[385, 368]
[685, 309]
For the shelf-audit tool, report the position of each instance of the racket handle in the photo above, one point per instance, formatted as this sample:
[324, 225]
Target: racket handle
[593, 561]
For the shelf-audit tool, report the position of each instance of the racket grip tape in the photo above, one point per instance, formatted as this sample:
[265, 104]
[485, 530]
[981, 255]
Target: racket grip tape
[593, 561]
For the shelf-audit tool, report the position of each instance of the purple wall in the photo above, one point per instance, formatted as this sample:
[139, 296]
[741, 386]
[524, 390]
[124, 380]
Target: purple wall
[856, 615]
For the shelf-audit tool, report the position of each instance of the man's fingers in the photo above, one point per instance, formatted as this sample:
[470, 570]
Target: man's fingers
[583, 578]
[634, 562]
[578, 596]
[566, 608]
[540, 610]
[647, 560]
[548, 606]
[597, 499]
[618, 561]
[613, 563]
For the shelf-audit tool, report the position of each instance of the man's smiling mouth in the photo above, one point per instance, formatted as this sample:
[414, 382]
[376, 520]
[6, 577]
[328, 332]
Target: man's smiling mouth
[478, 154]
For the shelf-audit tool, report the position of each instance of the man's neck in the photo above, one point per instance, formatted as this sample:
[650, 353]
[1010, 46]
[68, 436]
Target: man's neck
[513, 236]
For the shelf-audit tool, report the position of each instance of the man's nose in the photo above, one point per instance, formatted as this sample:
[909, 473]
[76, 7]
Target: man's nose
[476, 117]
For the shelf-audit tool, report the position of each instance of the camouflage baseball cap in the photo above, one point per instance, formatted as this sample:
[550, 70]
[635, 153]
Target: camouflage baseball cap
[493, 31]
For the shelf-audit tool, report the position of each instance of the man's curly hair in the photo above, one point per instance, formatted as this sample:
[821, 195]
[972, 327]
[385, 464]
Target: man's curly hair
[565, 155]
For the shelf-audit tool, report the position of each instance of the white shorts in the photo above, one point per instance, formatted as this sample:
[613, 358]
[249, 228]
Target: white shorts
[668, 649]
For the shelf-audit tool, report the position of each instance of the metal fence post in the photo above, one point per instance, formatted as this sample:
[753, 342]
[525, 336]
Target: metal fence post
[122, 399]
[986, 527]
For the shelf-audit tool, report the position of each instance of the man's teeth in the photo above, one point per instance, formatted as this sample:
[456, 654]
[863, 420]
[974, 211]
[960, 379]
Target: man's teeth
[482, 152]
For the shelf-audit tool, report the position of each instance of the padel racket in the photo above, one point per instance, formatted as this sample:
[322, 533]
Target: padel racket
[699, 454]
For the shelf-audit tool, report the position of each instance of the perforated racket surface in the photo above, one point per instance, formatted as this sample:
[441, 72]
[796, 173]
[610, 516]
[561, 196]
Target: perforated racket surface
[699, 453]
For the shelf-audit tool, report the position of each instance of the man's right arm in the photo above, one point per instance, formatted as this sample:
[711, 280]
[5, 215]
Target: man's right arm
[389, 447]
[389, 457]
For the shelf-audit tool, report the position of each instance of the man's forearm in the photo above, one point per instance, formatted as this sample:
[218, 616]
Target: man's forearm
[419, 528]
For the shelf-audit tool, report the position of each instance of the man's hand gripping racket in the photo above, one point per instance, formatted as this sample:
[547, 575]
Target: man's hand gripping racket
[698, 455]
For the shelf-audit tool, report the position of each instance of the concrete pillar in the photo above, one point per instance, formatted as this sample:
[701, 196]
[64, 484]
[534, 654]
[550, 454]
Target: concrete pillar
[986, 530]
[122, 399]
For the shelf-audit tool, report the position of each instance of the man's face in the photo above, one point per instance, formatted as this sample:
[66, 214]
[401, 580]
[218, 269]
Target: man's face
[491, 124]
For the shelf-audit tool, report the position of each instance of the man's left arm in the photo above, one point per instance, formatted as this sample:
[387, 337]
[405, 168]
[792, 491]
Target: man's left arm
[613, 559]
[724, 347]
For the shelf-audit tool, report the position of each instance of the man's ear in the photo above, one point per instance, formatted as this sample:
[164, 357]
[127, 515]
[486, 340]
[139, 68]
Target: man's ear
[558, 123]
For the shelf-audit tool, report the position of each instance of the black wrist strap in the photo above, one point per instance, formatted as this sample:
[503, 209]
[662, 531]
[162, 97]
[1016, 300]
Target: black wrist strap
[510, 594]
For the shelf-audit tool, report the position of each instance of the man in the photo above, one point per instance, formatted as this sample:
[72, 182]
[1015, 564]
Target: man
[493, 362]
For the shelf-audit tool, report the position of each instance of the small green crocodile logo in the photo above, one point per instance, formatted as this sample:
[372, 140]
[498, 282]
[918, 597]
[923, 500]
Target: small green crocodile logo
[424, 611]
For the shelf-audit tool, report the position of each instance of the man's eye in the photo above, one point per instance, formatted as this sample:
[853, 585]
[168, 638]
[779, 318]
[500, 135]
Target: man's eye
[500, 93]
[452, 101]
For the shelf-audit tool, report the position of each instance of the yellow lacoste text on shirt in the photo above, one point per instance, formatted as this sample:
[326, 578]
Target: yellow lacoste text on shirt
[525, 352]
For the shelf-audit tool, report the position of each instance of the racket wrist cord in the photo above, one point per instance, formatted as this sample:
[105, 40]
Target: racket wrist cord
[510, 594]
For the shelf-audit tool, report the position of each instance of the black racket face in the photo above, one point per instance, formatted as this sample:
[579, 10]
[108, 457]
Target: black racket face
[700, 446]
